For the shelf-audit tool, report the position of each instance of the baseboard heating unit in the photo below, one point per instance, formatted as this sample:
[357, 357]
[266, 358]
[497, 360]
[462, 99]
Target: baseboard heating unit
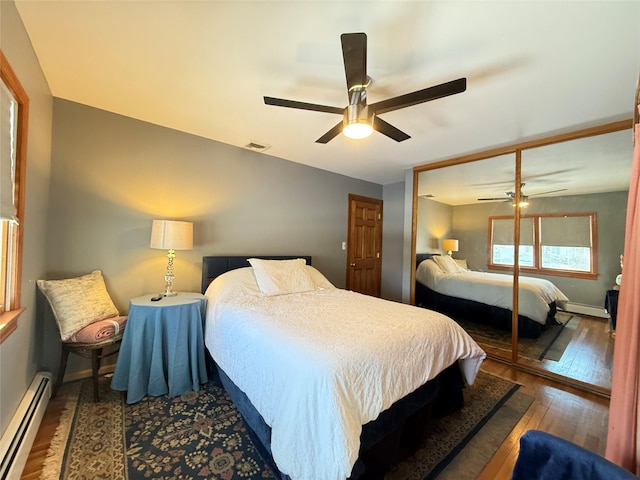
[18, 438]
[583, 309]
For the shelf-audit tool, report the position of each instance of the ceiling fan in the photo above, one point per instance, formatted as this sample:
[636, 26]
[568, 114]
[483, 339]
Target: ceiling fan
[360, 119]
[511, 196]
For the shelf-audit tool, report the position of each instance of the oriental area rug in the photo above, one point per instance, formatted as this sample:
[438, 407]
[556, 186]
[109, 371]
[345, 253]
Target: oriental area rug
[200, 435]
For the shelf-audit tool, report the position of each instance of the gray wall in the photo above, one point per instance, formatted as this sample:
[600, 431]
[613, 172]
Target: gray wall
[434, 224]
[111, 175]
[392, 241]
[20, 353]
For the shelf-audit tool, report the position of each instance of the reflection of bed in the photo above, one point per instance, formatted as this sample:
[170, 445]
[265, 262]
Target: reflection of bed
[312, 371]
[485, 297]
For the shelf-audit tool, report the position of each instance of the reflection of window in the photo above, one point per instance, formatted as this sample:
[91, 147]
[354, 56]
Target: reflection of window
[13, 136]
[555, 244]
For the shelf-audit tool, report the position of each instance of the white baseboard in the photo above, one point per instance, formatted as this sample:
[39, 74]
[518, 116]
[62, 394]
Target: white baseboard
[583, 309]
[17, 440]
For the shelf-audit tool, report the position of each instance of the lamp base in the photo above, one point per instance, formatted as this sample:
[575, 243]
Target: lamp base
[168, 280]
[168, 288]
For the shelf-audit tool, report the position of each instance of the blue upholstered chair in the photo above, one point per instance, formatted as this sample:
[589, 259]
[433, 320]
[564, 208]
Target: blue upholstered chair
[546, 457]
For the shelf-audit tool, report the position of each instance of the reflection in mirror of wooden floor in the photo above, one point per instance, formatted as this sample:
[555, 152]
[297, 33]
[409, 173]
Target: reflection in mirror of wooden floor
[582, 350]
[589, 355]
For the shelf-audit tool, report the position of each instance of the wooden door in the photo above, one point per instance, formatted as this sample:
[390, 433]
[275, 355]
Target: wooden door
[364, 245]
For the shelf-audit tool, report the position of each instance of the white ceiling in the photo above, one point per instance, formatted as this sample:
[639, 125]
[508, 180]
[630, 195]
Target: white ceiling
[533, 68]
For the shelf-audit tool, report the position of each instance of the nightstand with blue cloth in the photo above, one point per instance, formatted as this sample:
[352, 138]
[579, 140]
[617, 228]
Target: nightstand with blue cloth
[162, 350]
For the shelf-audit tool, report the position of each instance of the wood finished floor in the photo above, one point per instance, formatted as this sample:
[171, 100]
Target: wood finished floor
[575, 415]
[567, 412]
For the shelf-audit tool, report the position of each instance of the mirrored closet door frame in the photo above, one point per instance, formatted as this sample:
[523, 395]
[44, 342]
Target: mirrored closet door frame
[517, 151]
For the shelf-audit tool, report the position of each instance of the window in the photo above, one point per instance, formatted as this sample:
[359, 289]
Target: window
[14, 107]
[552, 244]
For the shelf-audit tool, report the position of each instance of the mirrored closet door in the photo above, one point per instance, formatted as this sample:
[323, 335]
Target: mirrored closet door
[454, 203]
[569, 193]
[580, 238]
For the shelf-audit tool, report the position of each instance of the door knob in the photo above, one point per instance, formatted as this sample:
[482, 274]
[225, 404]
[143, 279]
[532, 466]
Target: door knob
[353, 264]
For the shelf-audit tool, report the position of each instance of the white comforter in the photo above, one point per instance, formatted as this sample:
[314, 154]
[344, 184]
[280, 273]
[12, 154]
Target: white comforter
[494, 289]
[318, 365]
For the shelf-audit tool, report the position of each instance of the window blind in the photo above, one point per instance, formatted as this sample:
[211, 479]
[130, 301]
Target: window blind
[570, 231]
[502, 233]
[8, 133]
[526, 231]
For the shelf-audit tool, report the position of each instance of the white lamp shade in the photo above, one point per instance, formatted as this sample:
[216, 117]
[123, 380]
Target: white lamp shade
[171, 235]
[450, 245]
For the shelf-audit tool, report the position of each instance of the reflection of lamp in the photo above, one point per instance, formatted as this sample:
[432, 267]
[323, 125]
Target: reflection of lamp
[171, 235]
[450, 245]
[358, 121]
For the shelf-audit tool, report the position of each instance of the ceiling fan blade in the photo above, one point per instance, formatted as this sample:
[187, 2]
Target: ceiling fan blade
[389, 130]
[280, 102]
[483, 199]
[550, 191]
[354, 54]
[334, 132]
[420, 96]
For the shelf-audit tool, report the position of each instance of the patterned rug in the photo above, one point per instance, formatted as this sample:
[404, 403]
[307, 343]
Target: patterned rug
[550, 345]
[201, 435]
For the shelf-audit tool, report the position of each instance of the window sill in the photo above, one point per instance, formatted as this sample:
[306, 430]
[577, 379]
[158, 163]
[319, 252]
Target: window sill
[9, 322]
[547, 271]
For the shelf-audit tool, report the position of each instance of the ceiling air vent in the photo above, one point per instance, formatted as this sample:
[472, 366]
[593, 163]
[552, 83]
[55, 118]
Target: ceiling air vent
[257, 147]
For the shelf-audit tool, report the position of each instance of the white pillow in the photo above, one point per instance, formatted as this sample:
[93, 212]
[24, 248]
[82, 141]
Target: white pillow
[428, 272]
[240, 280]
[462, 263]
[280, 277]
[78, 302]
[447, 264]
[318, 279]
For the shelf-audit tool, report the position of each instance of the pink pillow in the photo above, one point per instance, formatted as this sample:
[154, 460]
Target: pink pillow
[100, 331]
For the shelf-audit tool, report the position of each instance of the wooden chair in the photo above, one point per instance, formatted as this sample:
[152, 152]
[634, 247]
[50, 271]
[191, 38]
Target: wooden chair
[92, 351]
[88, 321]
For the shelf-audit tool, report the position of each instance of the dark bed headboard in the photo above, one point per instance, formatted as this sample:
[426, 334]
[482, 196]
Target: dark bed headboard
[215, 266]
[424, 256]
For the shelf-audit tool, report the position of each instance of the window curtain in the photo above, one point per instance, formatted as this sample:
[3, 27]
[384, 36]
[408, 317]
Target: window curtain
[623, 431]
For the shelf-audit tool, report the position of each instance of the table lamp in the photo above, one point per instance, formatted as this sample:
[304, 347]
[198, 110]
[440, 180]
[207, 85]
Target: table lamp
[450, 245]
[171, 235]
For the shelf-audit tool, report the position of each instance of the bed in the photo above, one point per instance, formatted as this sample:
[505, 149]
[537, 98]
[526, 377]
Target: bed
[445, 286]
[331, 384]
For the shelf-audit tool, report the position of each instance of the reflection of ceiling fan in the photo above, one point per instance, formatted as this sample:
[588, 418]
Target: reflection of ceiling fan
[360, 119]
[511, 196]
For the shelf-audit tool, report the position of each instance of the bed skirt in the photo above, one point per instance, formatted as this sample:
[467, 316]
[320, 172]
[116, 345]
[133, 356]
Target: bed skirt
[395, 433]
[480, 312]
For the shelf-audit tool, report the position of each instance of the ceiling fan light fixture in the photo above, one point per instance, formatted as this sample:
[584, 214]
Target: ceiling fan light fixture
[523, 203]
[358, 122]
